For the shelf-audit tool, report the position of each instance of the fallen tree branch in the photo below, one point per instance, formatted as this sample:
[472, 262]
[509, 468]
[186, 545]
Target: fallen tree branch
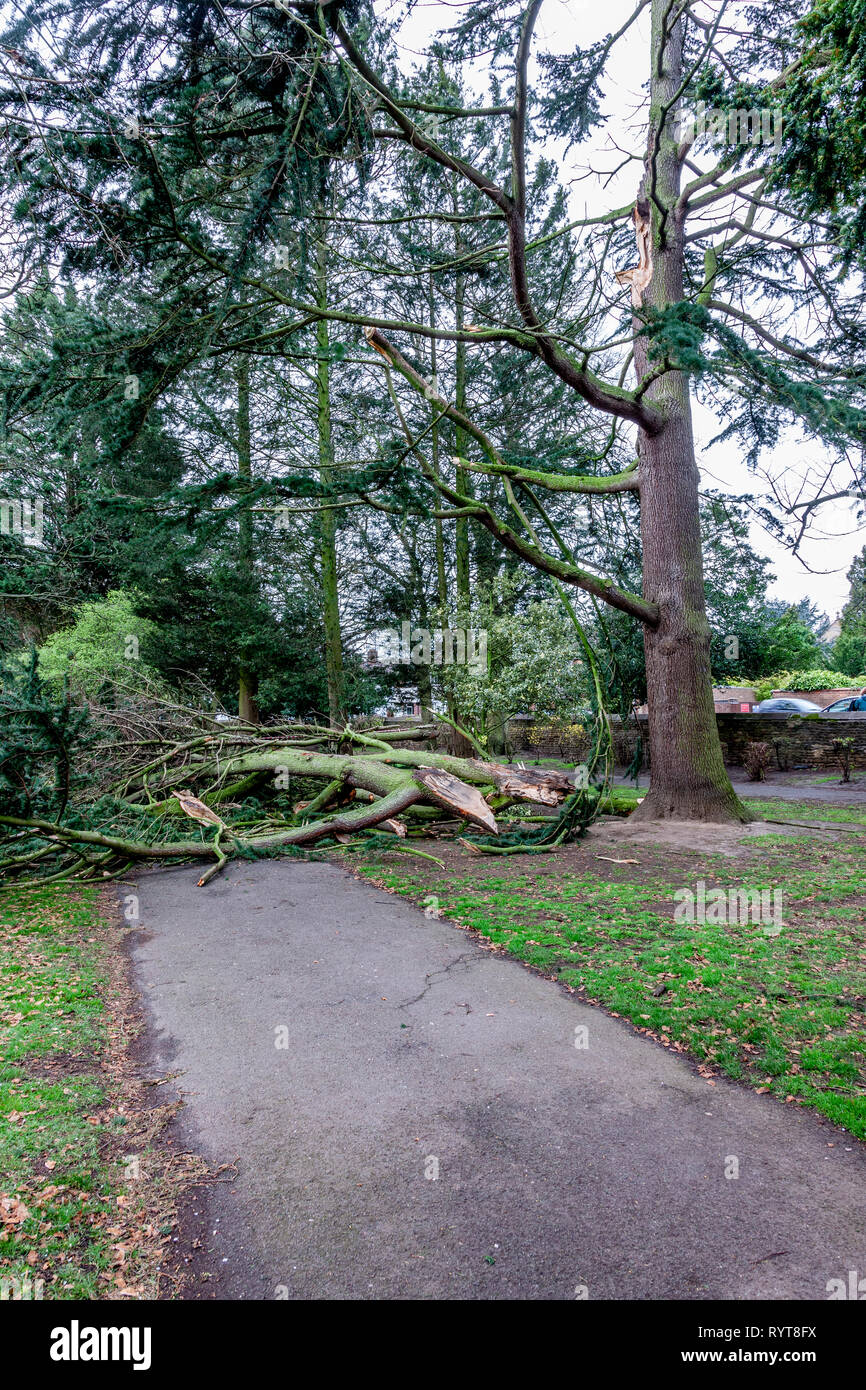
[381, 785]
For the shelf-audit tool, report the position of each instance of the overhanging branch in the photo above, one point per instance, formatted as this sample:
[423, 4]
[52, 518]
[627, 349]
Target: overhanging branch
[563, 569]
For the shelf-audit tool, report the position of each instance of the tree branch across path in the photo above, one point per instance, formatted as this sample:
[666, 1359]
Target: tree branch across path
[367, 783]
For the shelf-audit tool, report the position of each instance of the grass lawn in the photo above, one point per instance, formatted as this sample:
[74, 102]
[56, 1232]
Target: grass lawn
[783, 1014]
[777, 809]
[76, 1219]
[624, 799]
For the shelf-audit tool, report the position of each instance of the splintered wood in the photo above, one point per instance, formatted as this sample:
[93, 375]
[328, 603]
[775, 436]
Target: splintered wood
[454, 795]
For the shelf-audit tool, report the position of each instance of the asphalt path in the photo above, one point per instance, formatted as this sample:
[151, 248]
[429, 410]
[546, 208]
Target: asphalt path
[415, 1117]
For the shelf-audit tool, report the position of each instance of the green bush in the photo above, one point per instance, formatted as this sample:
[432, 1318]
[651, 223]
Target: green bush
[108, 642]
[572, 741]
[804, 680]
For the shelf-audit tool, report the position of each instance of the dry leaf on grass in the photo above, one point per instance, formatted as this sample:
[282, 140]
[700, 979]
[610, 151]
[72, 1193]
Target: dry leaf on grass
[12, 1211]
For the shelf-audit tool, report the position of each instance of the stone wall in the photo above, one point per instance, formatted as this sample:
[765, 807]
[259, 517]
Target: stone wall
[798, 741]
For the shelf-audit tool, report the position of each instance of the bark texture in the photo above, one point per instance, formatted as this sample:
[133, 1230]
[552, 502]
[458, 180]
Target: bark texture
[247, 680]
[328, 519]
[688, 777]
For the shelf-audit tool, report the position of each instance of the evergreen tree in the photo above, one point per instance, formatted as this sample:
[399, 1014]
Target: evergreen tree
[179, 163]
[849, 653]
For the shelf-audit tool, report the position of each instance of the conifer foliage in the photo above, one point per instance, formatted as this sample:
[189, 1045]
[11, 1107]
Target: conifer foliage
[302, 337]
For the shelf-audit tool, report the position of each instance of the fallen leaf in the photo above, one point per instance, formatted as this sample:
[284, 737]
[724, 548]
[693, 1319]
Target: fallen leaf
[13, 1211]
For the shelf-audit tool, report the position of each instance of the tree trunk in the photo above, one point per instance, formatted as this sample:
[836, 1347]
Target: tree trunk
[247, 681]
[454, 741]
[425, 692]
[688, 780]
[464, 478]
[441, 573]
[688, 776]
[441, 578]
[328, 520]
[248, 686]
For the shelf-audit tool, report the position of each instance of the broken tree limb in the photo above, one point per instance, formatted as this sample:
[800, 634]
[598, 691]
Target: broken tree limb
[381, 784]
[359, 818]
[548, 786]
[325, 797]
[381, 772]
[133, 849]
[639, 276]
[452, 794]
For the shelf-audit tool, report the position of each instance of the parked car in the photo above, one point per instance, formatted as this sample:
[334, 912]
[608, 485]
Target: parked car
[783, 706]
[843, 706]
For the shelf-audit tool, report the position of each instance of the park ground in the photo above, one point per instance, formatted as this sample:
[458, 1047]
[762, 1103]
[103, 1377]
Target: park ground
[83, 1116]
[785, 1014]
[88, 1178]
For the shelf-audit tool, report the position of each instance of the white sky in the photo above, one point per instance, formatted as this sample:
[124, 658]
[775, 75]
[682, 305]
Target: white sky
[563, 24]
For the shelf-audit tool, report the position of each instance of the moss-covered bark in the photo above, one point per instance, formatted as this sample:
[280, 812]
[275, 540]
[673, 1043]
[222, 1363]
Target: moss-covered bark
[328, 517]
[247, 680]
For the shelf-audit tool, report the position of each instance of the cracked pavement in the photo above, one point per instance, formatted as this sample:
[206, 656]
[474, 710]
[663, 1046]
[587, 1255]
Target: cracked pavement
[412, 1118]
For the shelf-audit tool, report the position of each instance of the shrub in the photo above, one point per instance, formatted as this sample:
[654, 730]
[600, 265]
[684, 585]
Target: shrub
[756, 760]
[813, 679]
[570, 740]
[107, 643]
[843, 748]
[42, 740]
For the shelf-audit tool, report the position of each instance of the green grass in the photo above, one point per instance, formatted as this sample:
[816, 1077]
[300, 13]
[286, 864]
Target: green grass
[783, 1013]
[777, 809]
[772, 808]
[49, 992]
[55, 1115]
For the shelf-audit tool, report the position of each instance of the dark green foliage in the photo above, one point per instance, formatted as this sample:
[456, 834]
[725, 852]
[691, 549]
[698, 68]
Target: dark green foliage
[571, 105]
[849, 653]
[824, 100]
[41, 744]
[786, 644]
[779, 394]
